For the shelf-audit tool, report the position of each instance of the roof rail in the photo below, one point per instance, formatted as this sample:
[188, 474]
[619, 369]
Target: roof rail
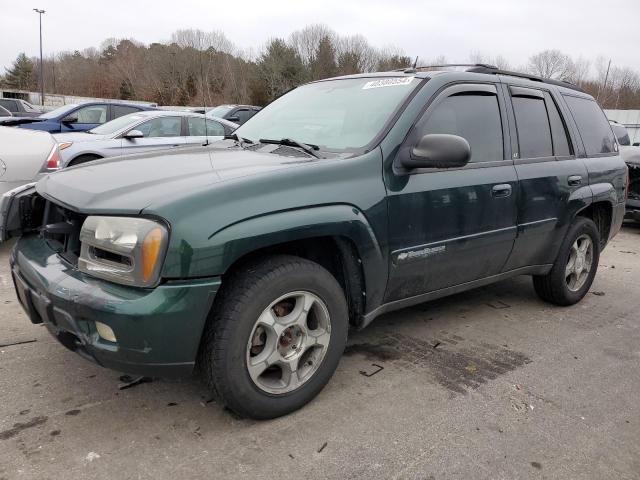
[446, 65]
[496, 71]
[492, 70]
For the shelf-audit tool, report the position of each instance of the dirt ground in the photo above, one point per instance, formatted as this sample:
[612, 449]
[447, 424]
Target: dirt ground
[492, 384]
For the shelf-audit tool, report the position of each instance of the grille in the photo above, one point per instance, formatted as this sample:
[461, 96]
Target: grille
[61, 229]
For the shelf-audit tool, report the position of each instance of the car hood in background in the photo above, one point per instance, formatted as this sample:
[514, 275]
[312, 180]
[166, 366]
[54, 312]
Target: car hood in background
[79, 137]
[630, 155]
[126, 185]
[10, 121]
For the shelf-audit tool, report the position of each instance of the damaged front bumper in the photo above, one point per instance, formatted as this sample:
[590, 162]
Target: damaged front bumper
[157, 330]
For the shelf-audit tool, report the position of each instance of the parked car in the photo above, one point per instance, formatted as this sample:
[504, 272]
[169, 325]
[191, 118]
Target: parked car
[631, 155]
[4, 112]
[19, 107]
[234, 113]
[343, 199]
[141, 132]
[25, 157]
[75, 117]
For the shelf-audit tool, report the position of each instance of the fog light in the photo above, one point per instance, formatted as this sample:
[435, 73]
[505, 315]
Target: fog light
[105, 332]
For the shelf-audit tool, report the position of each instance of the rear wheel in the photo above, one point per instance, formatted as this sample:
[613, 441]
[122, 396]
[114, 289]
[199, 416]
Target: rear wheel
[275, 336]
[575, 268]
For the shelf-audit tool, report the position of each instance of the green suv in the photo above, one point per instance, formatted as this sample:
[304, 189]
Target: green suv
[341, 200]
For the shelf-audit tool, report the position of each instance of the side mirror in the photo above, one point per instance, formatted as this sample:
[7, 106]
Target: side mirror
[439, 151]
[70, 119]
[235, 118]
[131, 134]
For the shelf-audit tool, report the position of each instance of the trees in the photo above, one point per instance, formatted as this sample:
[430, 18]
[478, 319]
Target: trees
[20, 75]
[196, 67]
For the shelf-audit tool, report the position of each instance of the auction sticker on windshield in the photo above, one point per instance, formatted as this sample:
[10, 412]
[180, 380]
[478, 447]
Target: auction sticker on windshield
[388, 82]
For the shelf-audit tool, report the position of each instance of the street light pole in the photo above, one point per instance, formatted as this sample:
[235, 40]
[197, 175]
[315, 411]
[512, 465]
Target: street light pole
[40, 12]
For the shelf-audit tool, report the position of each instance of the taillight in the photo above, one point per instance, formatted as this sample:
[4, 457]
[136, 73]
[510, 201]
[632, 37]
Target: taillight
[53, 160]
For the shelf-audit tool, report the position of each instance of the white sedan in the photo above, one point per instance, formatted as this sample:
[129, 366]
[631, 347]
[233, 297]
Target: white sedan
[141, 132]
[25, 156]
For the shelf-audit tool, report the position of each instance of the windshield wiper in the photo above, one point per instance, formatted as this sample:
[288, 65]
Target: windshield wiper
[238, 139]
[307, 147]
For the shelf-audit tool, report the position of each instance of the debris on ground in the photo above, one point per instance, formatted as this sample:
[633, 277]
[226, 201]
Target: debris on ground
[128, 381]
[599, 294]
[379, 369]
[91, 456]
[322, 447]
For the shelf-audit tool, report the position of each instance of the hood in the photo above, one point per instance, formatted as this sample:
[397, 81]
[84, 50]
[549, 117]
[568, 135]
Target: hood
[630, 155]
[77, 137]
[125, 185]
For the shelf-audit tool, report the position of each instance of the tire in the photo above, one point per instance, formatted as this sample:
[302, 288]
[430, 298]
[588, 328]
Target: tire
[235, 342]
[558, 286]
[83, 159]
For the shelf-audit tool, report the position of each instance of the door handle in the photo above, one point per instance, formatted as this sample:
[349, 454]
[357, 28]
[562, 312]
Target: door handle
[574, 180]
[502, 190]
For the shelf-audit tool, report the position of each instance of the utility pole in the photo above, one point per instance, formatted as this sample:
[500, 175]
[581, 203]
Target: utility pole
[40, 12]
[606, 79]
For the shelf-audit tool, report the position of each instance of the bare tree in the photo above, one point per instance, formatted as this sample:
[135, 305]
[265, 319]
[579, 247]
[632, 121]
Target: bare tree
[549, 64]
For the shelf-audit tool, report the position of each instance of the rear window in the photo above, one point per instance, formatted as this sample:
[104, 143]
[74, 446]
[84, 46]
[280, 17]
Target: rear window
[594, 127]
[9, 105]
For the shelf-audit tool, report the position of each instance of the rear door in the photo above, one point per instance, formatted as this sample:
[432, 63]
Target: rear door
[121, 110]
[198, 132]
[452, 226]
[550, 173]
[159, 133]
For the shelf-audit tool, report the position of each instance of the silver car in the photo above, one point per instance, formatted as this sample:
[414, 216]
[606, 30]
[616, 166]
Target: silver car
[25, 156]
[141, 132]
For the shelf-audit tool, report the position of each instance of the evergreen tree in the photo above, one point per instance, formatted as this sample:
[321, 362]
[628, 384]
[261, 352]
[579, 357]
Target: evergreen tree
[20, 75]
[324, 64]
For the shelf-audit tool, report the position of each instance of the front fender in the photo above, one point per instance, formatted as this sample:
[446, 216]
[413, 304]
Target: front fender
[232, 242]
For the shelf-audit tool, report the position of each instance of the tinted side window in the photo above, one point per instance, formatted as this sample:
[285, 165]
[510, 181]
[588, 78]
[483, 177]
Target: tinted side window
[561, 146]
[243, 115]
[594, 127]
[120, 110]
[534, 131]
[473, 116]
[9, 105]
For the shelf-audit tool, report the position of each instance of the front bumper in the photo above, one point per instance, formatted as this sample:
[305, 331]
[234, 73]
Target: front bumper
[157, 330]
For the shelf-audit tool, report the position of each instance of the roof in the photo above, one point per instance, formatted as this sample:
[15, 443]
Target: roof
[472, 70]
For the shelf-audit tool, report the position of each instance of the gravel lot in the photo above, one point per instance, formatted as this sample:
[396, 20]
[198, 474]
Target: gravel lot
[487, 384]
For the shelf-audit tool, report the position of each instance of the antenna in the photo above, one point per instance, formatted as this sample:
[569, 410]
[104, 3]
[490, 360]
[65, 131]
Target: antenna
[416, 62]
[204, 98]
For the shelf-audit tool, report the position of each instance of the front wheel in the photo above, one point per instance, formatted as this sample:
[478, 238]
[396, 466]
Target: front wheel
[275, 336]
[575, 268]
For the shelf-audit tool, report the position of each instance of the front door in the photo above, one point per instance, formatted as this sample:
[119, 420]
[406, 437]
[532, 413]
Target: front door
[87, 117]
[159, 133]
[452, 226]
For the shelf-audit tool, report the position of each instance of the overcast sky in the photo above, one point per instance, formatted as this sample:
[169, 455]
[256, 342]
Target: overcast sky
[513, 28]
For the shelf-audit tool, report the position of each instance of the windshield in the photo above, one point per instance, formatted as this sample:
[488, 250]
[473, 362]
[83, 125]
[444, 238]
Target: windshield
[118, 124]
[336, 115]
[59, 111]
[219, 111]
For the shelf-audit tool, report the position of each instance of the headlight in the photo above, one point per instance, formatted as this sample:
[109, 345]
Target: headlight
[123, 249]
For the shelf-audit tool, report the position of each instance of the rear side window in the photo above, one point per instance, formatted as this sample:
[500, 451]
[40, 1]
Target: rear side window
[121, 110]
[594, 127]
[197, 127]
[473, 116]
[561, 146]
[534, 131]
